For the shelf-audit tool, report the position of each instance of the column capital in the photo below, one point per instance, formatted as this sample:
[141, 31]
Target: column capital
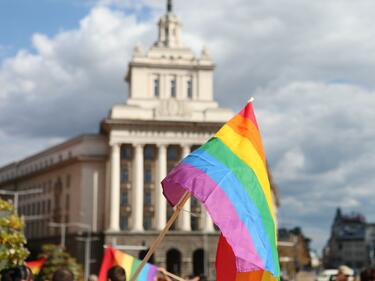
[138, 145]
[163, 145]
[188, 145]
[115, 144]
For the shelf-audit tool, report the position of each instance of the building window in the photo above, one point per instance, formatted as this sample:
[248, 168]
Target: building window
[126, 152]
[147, 198]
[190, 89]
[67, 180]
[67, 202]
[156, 87]
[149, 153]
[124, 222]
[124, 198]
[124, 175]
[148, 174]
[172, 153]
[194, 223]
[173, 88]
[147, 222]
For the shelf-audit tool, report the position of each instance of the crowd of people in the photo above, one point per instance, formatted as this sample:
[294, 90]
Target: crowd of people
[115, 273]
[345, 273]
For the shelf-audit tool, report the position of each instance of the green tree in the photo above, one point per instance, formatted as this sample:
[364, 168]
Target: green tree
[12, 239]
[57, 257]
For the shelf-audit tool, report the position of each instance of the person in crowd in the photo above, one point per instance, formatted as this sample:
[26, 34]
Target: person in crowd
[63, 274]
[93, 277]
[30, 276]
[368, 274]
[18, 273]
[116, 273]
[344, 273]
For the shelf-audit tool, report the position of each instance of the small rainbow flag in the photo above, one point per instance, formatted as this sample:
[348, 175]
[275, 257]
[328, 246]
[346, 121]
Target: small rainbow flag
[229, 176]
[114, 257]
[36, 265]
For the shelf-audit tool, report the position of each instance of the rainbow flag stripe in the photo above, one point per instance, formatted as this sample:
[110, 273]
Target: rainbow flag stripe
[130, 264]
[114, 257]
[36, 265]
[229, 176]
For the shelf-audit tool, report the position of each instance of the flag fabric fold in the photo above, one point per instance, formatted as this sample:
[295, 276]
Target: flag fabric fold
[228, 174]
[114, 257]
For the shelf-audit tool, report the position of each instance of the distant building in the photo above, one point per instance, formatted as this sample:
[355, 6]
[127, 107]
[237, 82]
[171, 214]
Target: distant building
[352, 242]
[111, 180]
[294, 252]
[370, 242]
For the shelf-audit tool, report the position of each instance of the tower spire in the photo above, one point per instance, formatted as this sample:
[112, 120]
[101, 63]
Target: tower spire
[169, 6]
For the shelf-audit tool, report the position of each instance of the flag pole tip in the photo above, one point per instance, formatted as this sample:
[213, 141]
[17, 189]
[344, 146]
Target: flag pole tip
[251, 99]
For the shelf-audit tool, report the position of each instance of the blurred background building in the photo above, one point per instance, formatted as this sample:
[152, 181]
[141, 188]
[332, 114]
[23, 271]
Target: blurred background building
[352, 242]
[294, 252]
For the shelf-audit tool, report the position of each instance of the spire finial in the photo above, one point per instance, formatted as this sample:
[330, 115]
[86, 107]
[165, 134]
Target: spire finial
[169, 6]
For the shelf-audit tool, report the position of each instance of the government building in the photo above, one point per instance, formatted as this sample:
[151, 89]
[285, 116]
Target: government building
[109, 183]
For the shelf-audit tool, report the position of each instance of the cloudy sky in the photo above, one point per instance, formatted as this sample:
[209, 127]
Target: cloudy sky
[309, 64]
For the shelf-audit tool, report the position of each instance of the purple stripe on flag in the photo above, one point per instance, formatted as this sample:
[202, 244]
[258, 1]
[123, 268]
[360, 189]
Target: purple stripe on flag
[151, 273]
[186, 177]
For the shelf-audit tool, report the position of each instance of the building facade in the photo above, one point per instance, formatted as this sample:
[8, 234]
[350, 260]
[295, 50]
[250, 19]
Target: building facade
[111, 180]
[294, 252]
[351, 242]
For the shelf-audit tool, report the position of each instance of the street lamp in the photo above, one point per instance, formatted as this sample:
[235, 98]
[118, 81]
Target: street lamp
[63, 227]
[18, 193]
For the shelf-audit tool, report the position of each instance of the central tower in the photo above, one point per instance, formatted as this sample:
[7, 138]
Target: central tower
[168, 82]
[170, 111]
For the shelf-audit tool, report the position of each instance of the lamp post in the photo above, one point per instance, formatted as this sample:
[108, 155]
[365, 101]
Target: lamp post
[87, 240]
[16, 194]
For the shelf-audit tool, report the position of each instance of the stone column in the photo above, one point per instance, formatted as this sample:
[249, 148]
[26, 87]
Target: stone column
[184, 220]
[160, 201]
[137, 188]
[208, 225]
[114, 218]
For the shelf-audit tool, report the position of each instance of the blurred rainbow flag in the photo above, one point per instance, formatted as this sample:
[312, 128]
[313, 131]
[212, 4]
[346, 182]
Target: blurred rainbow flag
[114, 257]
[229, 176]
[36, 265]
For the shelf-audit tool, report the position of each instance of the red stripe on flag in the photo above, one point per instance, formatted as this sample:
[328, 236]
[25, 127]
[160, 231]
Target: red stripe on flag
[107, 263]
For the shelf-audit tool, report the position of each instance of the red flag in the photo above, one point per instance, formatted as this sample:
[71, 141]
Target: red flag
[226, 266]
[107, 263]
[225, 261]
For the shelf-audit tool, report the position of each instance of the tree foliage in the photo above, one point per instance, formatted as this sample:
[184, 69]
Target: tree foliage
[12, 239]
[57, 257]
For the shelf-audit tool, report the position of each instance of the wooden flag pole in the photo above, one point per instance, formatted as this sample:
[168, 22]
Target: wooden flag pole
[162, 234]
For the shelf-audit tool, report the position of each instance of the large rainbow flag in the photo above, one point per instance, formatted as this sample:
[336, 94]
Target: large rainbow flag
[114, 257]
[229, 176]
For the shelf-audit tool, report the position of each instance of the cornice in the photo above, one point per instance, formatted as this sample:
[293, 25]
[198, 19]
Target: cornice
[108, 125]
[54, 167]
[182, 66]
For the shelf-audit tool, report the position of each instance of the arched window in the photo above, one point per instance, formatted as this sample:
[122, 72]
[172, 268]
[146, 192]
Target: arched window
[173, 88]
[198, 262]
[190, 89]
[156, 87]
[143, 253]
[174, 261]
